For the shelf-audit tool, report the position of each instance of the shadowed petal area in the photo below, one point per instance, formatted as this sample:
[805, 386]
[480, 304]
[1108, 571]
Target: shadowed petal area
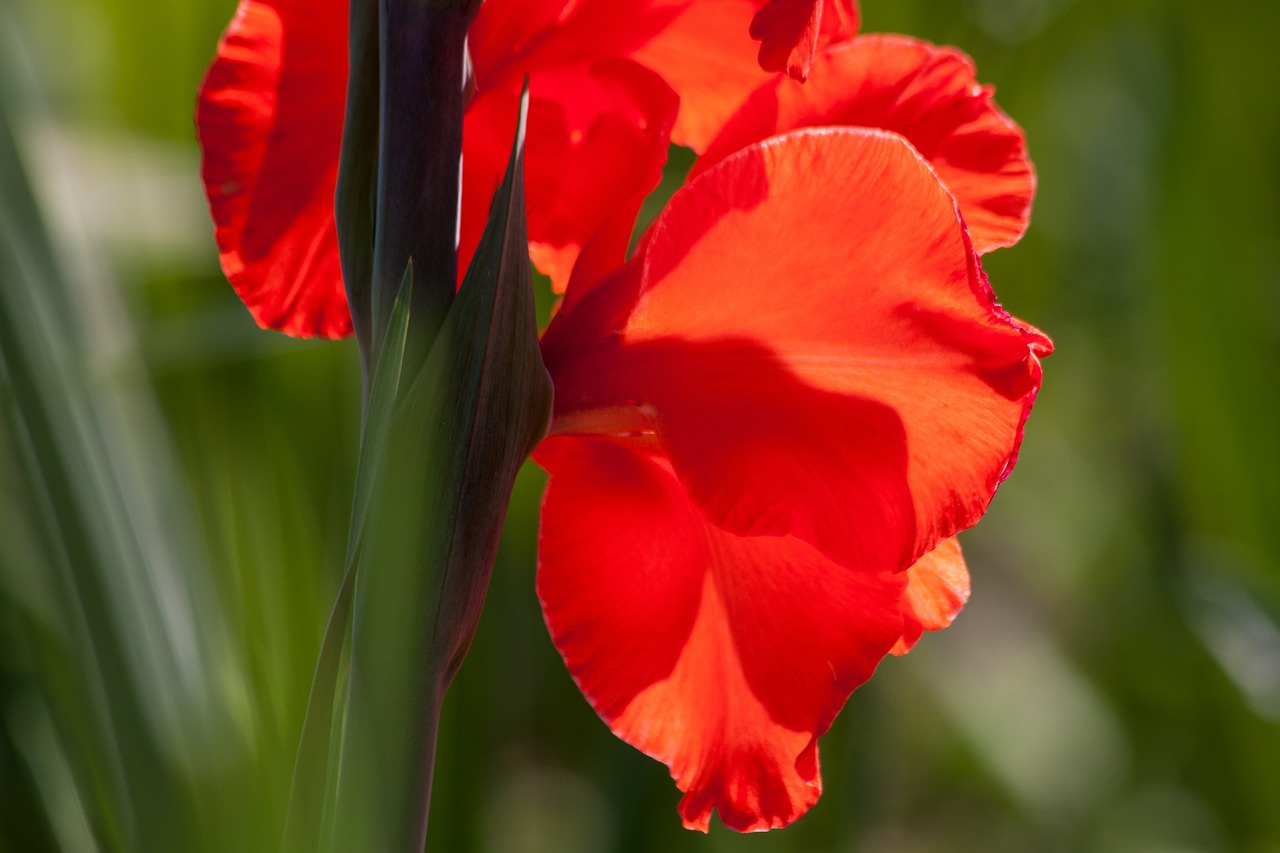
[847, 378]
[925, 93]
[269, 120]
[788, 34]
[724, 657]
[761, 450]
[937, 587]
[790, 31]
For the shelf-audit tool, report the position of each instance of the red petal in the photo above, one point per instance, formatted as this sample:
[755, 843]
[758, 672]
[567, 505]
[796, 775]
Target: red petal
[845, 378]
[511, 38]
[937, 587]
[927, 94]
[706, 55]
[723, 657]
[597, 140]
[270, 124]
[505, 31]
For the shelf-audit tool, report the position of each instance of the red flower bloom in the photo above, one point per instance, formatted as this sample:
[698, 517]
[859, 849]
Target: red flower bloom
[270, 123]
[761, 422]
[770, 423]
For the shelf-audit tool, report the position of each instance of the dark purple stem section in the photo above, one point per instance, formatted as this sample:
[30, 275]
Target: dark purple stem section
[423, 48]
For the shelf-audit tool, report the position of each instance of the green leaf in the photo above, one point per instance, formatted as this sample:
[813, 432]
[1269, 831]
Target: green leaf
[460, 431]
[312, 767]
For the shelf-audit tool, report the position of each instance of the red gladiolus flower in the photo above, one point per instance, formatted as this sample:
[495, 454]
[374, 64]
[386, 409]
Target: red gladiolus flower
[270, 123]
[768, 426]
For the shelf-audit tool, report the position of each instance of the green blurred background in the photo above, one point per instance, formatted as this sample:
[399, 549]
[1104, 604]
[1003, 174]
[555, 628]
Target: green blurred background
[1114, 685]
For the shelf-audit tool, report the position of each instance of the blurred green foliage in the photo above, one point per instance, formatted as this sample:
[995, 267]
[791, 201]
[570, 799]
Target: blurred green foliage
[1114, 684]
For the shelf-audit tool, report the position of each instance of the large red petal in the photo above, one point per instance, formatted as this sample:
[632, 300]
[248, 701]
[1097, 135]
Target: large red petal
[596, 143]
[724, 657]
[845, 378]
[937, 587]
[270, 125]
[925, 93]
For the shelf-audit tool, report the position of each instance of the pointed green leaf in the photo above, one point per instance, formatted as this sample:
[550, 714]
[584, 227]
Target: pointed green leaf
[312, 767]
[460, 432]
